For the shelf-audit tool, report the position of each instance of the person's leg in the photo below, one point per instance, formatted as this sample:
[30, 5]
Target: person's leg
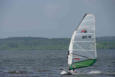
[72, 70]
[75, 70]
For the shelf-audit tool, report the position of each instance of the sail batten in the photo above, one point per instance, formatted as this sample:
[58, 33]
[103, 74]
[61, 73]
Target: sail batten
[83, 43]
[82, 50]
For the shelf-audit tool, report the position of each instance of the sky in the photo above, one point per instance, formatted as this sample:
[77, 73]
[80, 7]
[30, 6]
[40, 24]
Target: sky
[53, 18]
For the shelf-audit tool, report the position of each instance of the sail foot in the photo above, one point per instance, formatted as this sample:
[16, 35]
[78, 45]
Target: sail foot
[81, 64]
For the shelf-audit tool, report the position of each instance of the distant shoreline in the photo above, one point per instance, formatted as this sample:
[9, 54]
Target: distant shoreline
[38, 43]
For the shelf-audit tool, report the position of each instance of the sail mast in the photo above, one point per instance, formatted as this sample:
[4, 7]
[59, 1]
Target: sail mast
[71, 42]
[70, 49]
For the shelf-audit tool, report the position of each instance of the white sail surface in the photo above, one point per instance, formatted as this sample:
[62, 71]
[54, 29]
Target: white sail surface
[83, 42]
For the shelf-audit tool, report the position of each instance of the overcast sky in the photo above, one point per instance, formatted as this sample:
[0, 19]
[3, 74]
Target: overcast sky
[53, 18]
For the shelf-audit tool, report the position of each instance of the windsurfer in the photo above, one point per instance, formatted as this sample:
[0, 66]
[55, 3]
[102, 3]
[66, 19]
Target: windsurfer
[71, 69]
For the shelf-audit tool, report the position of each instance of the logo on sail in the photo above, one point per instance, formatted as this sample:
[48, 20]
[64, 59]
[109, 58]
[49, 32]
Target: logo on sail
[85, 36]
[83, 31]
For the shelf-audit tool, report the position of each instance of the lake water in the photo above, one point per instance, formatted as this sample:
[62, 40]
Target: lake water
[49, 63]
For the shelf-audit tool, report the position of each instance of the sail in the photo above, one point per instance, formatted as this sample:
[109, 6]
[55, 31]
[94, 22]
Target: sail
[82, 48]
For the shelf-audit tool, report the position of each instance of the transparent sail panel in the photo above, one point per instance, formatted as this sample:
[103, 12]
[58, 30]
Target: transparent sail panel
[84, 46]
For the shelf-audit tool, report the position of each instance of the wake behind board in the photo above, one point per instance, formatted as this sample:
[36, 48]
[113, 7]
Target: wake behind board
[89, 73]
[65, 73]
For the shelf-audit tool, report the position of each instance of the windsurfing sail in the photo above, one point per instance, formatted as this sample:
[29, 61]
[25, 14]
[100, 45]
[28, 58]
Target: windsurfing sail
[82, 48]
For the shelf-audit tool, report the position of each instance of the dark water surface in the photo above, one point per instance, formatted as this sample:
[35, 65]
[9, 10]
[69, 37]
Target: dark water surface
[49, 63]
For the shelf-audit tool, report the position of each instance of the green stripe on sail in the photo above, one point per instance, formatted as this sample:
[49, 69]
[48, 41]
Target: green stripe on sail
[81, 64]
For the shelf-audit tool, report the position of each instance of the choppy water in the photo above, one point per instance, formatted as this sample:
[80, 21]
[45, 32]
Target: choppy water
[49, 63]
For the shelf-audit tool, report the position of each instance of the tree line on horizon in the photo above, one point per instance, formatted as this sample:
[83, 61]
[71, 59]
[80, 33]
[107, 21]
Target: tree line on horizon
[38, 43]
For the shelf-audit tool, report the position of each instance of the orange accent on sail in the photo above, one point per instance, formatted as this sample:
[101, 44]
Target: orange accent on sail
[76, 58]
